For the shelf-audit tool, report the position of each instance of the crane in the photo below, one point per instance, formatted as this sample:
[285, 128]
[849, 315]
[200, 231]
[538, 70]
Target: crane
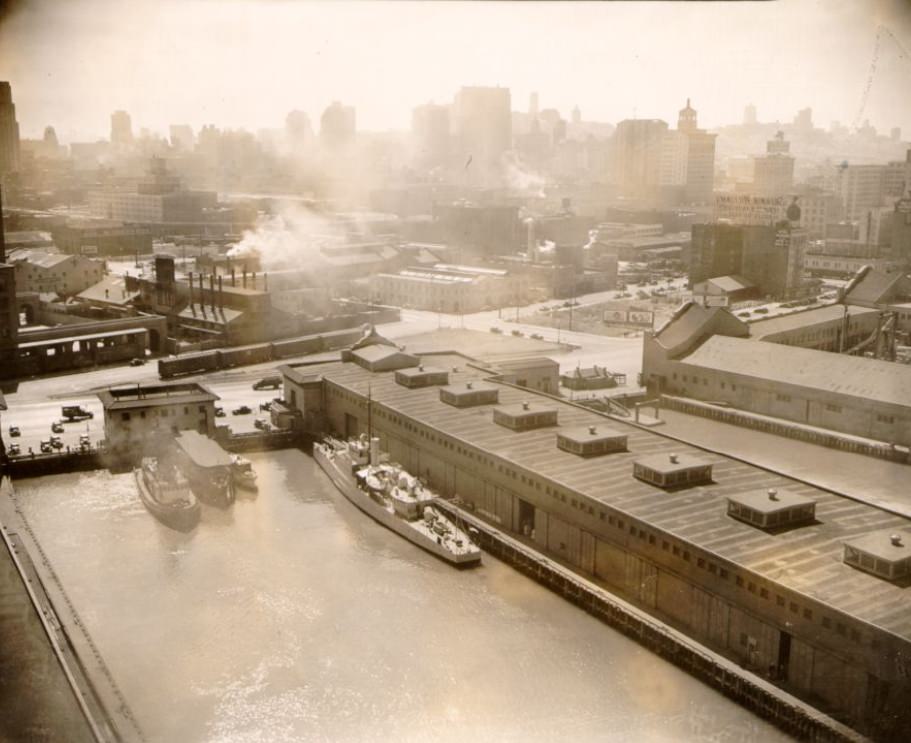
[881, 30]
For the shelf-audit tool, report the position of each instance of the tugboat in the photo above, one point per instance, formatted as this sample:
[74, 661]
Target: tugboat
[207, 467]
[243, 473]
[165, 492]
[393, 497]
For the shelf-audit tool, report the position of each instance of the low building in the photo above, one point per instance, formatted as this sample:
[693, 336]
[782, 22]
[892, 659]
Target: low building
[110, 293]
[835, 327]
[591, 378]
[536, 373]
[102, 237]
[135, 416]
[888, 292]
[446, 288]
[54, 273]
[723, 291]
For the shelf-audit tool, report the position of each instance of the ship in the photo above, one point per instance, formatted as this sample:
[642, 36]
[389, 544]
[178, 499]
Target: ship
[165, 492]
[398, 500]
[207, 467]
[243, 473]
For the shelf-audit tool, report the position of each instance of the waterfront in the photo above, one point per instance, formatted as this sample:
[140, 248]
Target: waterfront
[292, 616]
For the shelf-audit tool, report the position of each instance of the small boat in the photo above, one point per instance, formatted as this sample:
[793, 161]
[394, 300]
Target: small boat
[243, 473]
[165, 492]
[207, 467]
[395, 498]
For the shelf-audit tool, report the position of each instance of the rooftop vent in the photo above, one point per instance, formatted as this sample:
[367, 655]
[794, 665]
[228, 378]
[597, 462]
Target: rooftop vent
[525, 405]
[468, 385]
[593, 430]
[773, 494]
[590, 441]
[420, 367]
[896, 540]
[674, 459]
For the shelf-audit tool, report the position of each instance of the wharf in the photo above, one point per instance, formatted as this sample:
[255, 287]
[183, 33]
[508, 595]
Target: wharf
[764, 699]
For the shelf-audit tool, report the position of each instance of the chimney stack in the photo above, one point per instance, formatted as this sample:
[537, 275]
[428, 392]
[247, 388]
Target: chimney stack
[221, 294]
[190, 285]
[212, 290]
[245, 275]
[265, 282]
[253, 279]
[233, 276]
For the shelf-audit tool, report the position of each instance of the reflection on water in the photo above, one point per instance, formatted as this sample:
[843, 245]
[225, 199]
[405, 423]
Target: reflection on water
[291, 616]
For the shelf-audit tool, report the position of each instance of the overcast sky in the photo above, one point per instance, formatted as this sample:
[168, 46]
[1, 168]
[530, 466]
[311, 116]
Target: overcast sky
[246, 64]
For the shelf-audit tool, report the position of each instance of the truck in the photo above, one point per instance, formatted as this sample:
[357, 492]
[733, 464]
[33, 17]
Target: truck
[268, 383]
[76, 413]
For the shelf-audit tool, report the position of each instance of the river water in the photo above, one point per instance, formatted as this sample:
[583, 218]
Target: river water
[293, 617]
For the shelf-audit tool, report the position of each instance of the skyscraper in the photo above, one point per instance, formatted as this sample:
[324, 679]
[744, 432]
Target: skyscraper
[298, 132]
[749, 115]
[430, 135]
[121, 128]
[773, 174]
[9, 131]
[639, 151]
[700, 157]
[482, 120]
[338, 126]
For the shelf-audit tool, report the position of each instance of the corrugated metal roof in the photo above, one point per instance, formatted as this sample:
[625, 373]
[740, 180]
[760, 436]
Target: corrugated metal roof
[855, 376]
[807, 560]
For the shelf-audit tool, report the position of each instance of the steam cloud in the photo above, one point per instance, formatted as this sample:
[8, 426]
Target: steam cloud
[289, 239]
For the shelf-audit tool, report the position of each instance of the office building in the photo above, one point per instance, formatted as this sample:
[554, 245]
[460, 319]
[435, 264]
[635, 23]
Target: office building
[700, 158]
[430, 132]
[338, 127]
[9, 131]
[121, 129]
[482, 126]
[773, 174]
[639, 148]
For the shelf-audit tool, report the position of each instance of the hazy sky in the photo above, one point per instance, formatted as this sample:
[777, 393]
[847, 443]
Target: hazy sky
[246, 64]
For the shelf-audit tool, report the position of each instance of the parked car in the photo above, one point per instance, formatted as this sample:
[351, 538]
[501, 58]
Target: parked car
[266, 406]
[219, 411]
[13, 450]
[14, 431]
[56, 442]
[537, 336]
[517, 333]
[137, 361]
[241, 410]
[84, 441]
[57, 427]
[266, 383]
[260, 424]
[46, 446]
[76, 413]
[495, 330]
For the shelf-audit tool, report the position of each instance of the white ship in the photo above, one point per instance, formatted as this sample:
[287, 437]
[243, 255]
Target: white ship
[243, 473]
[393, 497]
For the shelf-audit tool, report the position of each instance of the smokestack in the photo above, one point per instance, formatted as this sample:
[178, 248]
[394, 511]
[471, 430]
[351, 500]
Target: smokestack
[212, 290]
[221, 295]
[233, 276]
[190, 277]
[202, 293]
[265, 282]
[253, 279]
[2, 237]
[245, 275]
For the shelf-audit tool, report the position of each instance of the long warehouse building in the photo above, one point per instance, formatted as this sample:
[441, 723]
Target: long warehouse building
[801, 585]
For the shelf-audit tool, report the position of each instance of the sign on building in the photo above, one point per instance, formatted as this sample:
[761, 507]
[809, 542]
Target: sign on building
[749, 209]
[629, 317]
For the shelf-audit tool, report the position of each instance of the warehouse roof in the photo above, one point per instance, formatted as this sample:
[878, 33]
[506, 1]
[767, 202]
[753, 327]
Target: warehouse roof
[124, 398]
[854, 376]
[804, 319]
[870, 286]
[807, 561]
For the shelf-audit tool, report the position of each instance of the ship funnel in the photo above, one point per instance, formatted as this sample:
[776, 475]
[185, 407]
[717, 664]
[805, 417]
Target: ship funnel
[375, 450]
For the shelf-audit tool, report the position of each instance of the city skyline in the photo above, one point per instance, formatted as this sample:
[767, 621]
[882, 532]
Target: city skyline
[251, 63]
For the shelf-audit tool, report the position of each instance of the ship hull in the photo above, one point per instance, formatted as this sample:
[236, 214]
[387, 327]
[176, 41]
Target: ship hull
[338, 470]
[181, 518]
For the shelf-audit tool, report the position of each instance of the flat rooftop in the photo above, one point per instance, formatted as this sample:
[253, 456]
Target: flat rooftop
[807, 560]
[124, 398]
[763, 502]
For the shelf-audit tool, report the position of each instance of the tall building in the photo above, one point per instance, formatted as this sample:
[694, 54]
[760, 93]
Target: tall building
[121, 128]
[767, 256]
[338, 126]
[9, 312]
[749, 115]
[804, 119]
[482, 122]
[700, 158]
[9, 131]
[901, 232]
[639, 148]
[182, 137]
[773, 174]
[430, 135]
[861, 188]
[298, 132]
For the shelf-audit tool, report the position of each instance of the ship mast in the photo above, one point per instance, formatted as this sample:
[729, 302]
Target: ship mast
[369, 423]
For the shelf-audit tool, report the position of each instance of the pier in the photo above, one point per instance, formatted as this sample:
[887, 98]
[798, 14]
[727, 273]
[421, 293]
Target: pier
[764, 699]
